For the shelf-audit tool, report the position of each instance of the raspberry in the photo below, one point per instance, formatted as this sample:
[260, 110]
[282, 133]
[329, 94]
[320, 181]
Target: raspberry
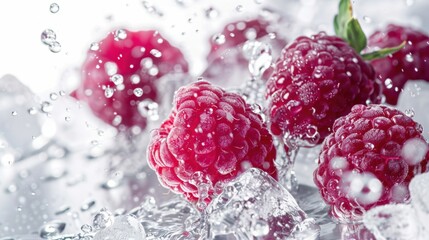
[369, 160]
[315, 81]
[120, 71]
[409, 63]
[212, 133]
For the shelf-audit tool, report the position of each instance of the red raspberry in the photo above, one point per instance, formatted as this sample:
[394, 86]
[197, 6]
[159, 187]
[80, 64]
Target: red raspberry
[212, 132]
[369, 160]
[315, 81]
[120, 71]
[409, 63]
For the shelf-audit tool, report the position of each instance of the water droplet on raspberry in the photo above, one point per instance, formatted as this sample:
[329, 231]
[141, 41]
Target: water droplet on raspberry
[156, 53]
[111, 68]
[108, 92]
[135, 79]
[94, 46]
[388, 83]
[120, 34]
[409, 112]
[409, 57]
[138, 92]
[117, 79]
[219, 39]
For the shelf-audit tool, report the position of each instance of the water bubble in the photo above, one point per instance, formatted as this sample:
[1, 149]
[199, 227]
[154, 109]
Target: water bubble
[239, 8]
[117, 79]
[120, 34]
[86, 228]
[388, 83]
[211, 13]
[52, 229]
[409, 57]
[62, 209]
[11, 188]
[32, 111]
[116, 120]
[149, 109]
[88, 204]
[108, 92]
[135, 79]
[138, 92]
[114, 181]
[46, 107]
[14, 113]
[53, 96]
[102, 219]
[48, 37]
[219, 39]
[67, 118]
[94, 46]
[54, 8]
[111, 68]
[367, 19]
[156, 53]
[409, 112]
[55, 47]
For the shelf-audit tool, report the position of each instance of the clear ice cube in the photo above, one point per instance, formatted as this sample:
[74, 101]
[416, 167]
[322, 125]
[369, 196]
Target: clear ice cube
[393, 222]
[419, 191]
[256, 206]
[125, 227]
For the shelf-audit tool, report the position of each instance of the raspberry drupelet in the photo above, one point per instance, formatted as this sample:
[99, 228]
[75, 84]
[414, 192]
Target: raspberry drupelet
[212, 133]
[369, 160]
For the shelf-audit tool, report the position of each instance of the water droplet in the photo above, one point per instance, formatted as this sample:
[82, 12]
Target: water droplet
[108, 92]
[120, 34]
[11, 188]
[86, 228]
[239, 8]
[156, 53]
[409, 112]
[211, 13]
[409, 57]
[48, 37]
[102, 219]
[54, 8]
[111, 68]
[62, 209]
[219, 39]
[135, 79]
[138, 92]
[367, 19]
[88, 204]
[47, 107]
[55, 47]
[14, 113]
[114, 181]
[32, 111]
[62, 93]
[117, 79]
[116, 120]
[388, 83]
[149, 109]
[94, 46]
[52, 229]
[53, 96]
[67, 118]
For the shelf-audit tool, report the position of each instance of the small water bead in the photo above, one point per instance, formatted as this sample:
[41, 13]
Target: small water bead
[54, 8]
[156, 53]
[32, 111]
[53, 96]
[219, 39]
[409, 112]
[138, 92]
[14, 113]
[55, 47]
[111, 68]
[62, 93]
[120, 34]
[367, 19]
[145, 63]
[46, 107]
[409, 57]
[102, 219]
[108, 92]
[239, 8]
[67, 118]
[62, 209]
[117, 79]
[135, 79]
[211, 13]
[414, 151]
[11, 188]
[52, 229]
[94, 46]
[86, 228]
[48, 37]
[388, 83]
[149, 109]
[261, 59]
[88, 204]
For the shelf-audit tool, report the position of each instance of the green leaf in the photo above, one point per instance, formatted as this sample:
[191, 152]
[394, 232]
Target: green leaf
[345, 13]
[355, 35]
[382, 52]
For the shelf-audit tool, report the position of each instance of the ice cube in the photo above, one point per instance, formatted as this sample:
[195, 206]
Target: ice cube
[393, 222]
[22, 130]
[255, 205]
[125, 227]
[419, 191]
